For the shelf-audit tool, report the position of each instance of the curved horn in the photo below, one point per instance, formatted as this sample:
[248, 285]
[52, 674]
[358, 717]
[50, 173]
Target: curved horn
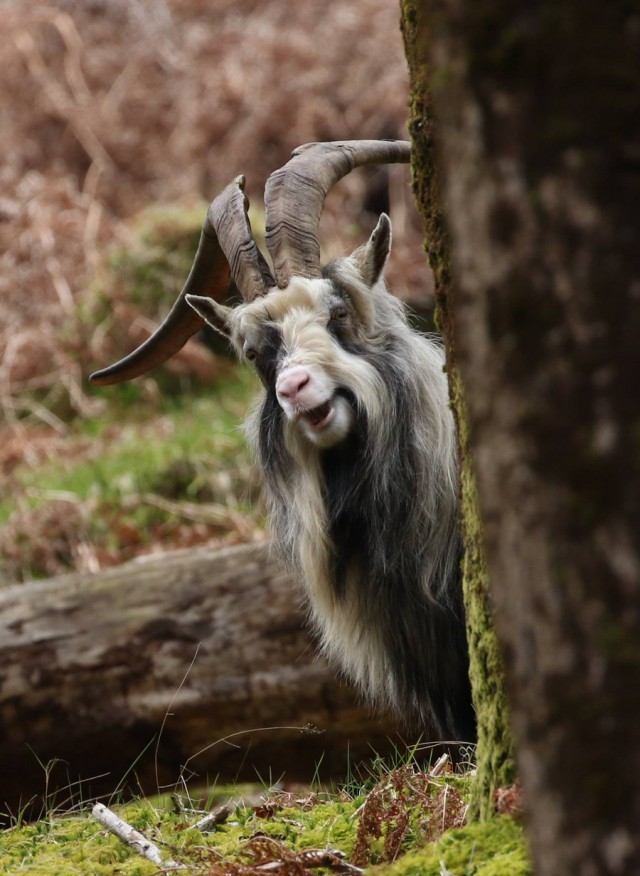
[226, 249]
[228, 217]
[294, 198]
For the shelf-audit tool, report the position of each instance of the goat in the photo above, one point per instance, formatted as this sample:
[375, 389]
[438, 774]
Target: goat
[352, 431]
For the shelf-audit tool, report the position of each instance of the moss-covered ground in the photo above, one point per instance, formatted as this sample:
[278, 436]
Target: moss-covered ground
[395, 828]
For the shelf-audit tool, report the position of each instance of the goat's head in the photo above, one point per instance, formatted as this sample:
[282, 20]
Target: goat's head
[301, 340]
[300, 323]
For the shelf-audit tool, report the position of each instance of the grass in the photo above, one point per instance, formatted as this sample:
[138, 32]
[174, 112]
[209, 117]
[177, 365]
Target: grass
[174, 469]
[133, 447]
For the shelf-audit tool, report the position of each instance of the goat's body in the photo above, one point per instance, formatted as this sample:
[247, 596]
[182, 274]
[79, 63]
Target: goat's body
[354, 432]
[370, 523]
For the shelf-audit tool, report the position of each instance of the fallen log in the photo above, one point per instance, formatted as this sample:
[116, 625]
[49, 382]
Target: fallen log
[191, 662]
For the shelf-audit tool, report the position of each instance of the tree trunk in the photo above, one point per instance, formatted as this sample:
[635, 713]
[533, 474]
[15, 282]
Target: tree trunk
[495, 763]
[538, 127]
[146, 665]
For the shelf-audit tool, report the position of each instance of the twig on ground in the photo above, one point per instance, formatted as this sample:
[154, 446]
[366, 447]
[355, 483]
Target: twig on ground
[132, 837]
[218, 816]
[439, 766]
[331, 859]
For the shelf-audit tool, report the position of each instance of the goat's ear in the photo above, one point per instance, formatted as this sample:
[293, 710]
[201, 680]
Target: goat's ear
[372, 257]
[216, 315]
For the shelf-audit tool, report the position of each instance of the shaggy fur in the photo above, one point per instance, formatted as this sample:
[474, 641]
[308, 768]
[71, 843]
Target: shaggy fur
[364, 508]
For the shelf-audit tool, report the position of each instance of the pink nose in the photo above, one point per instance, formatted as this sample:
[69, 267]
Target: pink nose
[292, 381]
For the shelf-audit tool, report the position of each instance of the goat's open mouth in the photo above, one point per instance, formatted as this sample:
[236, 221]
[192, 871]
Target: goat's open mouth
[320, 416]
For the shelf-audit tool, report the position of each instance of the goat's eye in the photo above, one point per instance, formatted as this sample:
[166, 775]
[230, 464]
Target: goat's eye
[340, 314]
[250, 354]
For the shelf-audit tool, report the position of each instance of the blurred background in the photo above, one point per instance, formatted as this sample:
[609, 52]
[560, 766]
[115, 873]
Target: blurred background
[120, 120]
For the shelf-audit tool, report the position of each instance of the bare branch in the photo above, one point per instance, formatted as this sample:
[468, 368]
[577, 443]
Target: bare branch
[131, 837]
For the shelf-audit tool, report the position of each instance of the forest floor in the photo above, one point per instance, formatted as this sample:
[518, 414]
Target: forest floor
[400, 822]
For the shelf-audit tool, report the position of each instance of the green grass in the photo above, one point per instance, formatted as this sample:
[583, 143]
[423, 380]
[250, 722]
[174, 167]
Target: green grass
[141, 470]
[148, 442]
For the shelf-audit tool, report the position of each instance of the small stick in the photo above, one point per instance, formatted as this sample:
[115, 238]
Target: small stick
[130, 835]
[218, 816]
[438, 767]
[221, 813]
[331, 859]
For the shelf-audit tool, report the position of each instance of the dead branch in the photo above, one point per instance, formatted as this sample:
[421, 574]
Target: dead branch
[189, 663]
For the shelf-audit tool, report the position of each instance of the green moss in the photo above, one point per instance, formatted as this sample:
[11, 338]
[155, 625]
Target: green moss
[328, 825]
[492, 848]
[495, 761]
[494, 753]
[79, 845]
[70, 845]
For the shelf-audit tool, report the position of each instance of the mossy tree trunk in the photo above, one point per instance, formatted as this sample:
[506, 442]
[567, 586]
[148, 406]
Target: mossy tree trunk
[496, 766]
[538, 114]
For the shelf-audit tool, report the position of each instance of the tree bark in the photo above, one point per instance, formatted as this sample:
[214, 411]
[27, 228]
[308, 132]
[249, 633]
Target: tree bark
[538, 126]
[494, 756]
[151, 665]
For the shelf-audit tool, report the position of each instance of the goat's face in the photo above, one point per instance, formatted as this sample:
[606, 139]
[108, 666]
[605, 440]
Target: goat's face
[306, 342]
